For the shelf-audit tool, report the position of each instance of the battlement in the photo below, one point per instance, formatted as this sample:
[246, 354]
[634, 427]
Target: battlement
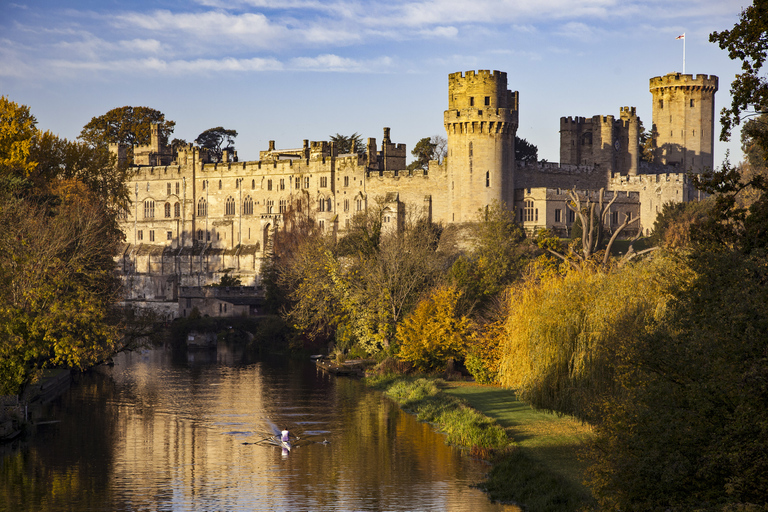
[627, 112]
[481, 89]
[708, 82]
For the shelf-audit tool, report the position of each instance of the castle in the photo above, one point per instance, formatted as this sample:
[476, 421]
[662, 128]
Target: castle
[192, 220]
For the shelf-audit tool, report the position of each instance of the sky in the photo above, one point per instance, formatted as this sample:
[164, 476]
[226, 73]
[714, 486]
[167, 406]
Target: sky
[289, 70]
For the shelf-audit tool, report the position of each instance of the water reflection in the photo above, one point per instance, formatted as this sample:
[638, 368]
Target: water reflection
[182, 432]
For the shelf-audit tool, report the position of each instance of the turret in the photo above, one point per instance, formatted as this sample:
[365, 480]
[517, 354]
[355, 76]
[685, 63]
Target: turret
[684, 120]
[481, 122]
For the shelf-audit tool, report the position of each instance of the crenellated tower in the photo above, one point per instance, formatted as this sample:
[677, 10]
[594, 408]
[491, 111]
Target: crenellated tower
[684, 120]
[481, 123]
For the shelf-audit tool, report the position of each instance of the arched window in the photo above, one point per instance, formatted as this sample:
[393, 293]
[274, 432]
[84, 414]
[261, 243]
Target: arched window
[328, 206]
[248, 206]
[270, 205]
[177, 210]
[149, 209]
[202, 208]
[230, 206]
[167, 209]
[321, 205]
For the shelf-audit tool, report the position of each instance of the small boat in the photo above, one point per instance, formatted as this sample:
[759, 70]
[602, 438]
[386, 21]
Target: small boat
[286, 445]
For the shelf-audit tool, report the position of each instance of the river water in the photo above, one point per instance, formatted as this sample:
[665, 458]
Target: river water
[170, 431]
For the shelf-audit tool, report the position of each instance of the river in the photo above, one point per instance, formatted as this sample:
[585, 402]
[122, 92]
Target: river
[164, 430]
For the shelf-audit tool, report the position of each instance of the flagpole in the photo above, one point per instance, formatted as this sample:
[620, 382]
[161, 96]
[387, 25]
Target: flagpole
[683, 52]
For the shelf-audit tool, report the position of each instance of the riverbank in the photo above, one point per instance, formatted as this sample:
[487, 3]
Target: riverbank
[536, 464]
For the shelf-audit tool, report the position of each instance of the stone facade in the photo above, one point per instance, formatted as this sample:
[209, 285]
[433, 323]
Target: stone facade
[191, 220]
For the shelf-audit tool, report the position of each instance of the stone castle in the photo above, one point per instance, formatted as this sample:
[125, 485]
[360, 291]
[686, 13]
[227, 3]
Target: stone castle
[193, 220]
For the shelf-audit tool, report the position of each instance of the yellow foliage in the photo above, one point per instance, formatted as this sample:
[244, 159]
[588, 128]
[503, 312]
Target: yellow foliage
[564, 335]
[434, 332]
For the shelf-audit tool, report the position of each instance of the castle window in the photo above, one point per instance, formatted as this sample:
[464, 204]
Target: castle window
[248, 206]
[615, 218]
[167, 209]
[322, 225]
[140, 235]
[359, 205]
[346, 205]
[177, 188]
[200, 234]
[282, 184]
[151, 235]
[237, 183]
[269, 184]
[328, 205]
[528, 211]
[323, 181]
[558, 215]
[202, 208]
[177, 210]
[487, 101]
[219, 184]
[270, 205]
[321, 205]
[306, 182]
[471, 101]
[346, 181]
[205, 182]
[283, 206]
[571, 216]
[298, 183]
[253, 184]
[691, 103]
[661, 103]
[168, 188]
[149, 209]
[229, 208]
[169, 235]
[487, 178]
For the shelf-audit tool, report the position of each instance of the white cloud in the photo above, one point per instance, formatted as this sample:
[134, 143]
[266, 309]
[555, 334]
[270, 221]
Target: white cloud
[328, 62]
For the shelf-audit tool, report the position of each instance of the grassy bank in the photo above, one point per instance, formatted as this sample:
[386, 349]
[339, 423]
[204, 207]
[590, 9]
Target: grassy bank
[534, 454]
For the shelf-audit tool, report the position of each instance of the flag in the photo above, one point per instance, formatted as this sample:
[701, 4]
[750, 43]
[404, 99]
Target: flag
[680, 37]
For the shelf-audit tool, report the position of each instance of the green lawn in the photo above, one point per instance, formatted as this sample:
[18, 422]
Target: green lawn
[550, 440]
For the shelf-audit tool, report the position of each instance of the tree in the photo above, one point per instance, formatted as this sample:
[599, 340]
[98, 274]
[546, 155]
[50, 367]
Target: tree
[434, 332]
[593, 217]
[57, 283]
[126, 125]
[747, 41]
[441, 148]
[346, 144]
[525, 151]
[423, 151]
[213, 138]
[17, 131]
[645, 141]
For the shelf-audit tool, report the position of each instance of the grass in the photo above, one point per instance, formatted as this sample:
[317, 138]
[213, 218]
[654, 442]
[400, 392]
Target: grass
[535, 455]
[545, 472]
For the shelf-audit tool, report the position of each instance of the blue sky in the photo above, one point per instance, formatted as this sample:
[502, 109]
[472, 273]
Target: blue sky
[288, 70]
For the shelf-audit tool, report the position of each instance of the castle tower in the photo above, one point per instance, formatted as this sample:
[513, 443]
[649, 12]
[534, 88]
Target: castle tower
[630, 139]
[481, 122]
[684, 120]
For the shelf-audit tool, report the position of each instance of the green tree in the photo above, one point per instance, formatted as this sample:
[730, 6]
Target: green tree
[126, 125]
[525, 151]
[423, 152]
[213, 138]
[746, 42]
[346, 144]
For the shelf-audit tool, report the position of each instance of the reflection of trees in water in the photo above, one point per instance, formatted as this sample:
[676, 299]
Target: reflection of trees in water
[65, 466]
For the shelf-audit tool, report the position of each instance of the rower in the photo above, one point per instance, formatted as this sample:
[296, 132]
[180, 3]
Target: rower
[285, 436]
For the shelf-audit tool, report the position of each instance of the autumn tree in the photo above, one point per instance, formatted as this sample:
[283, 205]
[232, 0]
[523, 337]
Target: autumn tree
[435, 332]
[213, 139]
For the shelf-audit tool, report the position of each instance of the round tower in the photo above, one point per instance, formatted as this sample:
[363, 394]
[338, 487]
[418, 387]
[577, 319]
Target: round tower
[684, 120]
[481, 122]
